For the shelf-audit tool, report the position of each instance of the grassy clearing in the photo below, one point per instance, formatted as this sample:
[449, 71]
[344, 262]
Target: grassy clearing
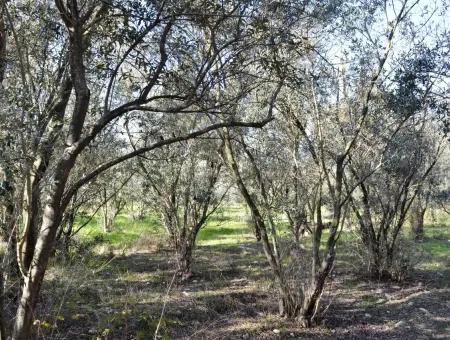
[229, 226]
[226, 227]
[232, 295]
[125, 233]
[436, 245]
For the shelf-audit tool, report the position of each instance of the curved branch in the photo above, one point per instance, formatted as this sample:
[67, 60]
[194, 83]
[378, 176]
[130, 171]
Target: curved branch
[105, 166]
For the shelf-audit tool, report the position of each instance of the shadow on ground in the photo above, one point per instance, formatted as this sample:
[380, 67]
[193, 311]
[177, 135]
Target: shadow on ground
[230, 297]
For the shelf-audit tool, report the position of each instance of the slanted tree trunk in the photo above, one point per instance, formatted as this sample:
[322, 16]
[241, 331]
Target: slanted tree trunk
[50, 221]
[31, 214]
[309, 309]
[289, 301]
[53, 209]
[322, 265]
[78, 20]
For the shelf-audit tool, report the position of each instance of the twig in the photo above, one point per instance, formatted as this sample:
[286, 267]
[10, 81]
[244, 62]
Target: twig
[164, 305]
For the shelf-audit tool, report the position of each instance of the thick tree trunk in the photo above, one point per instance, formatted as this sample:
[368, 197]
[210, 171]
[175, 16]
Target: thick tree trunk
[186, 247]
[33, 281]
[31, 214]
[51, 218]
[374, 265]
[184, 259]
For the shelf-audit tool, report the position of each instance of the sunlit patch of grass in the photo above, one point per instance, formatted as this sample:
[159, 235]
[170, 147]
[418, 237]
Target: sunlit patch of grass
[126, 231]
[437, 240]
[227, 226]
[440, 248]
[437, 244]
[231, 232]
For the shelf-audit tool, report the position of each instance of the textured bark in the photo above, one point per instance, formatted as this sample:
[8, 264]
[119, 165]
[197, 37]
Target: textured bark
[184, 259]
[52, 212]
[76, 17]
[2, 304]
[3, 41]
[32, 202]
[31, 215]
[417, 222]
[33, 281]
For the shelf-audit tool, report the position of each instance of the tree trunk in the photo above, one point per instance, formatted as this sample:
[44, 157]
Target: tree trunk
[374, 265]
[312, 296]
[187, 246]
[2, 305]
[33, 281]
[184, 259]
[311, 302]
[31, 215]
[417, 222]
[288, 302]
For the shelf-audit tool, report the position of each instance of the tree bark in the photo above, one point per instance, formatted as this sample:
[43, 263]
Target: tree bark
[51, 219]
[52, 212]
[417, 222]
[2, 304]
[288, 301]
[185, 259]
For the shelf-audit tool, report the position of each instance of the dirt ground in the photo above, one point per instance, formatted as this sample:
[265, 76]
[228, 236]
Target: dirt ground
[231, 297]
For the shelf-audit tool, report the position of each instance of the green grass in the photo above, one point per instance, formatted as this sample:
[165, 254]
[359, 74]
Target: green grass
[437, 245]
[229, 226]
[126, 231]
[226, 227]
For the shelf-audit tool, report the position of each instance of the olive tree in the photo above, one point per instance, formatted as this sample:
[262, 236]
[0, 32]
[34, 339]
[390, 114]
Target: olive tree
[324, 114]
[99, 62]
[183, 185]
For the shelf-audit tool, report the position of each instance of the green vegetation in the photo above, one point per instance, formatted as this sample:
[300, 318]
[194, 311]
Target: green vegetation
[231, 279]
[228, 226]
[437, 246]
[125, 233]
[225, 227]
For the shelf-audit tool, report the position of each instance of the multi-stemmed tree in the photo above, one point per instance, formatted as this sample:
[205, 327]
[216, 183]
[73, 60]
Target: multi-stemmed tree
[184, 186]
[81, 67]
[76, 74]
